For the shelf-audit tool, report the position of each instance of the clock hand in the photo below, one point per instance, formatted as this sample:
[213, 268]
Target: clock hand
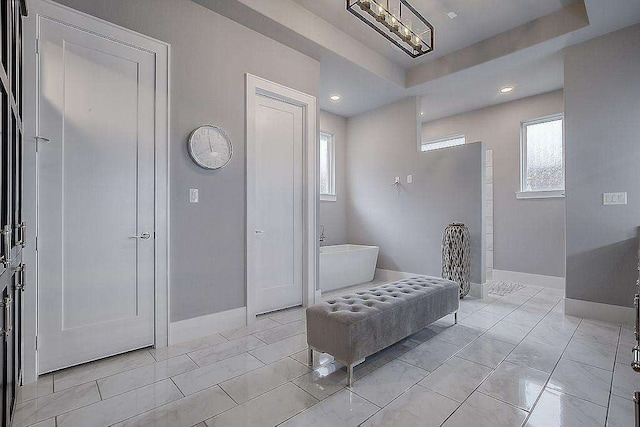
[210, 146]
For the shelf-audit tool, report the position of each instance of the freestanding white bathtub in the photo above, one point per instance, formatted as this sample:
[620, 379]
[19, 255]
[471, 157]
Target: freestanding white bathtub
[346, 265]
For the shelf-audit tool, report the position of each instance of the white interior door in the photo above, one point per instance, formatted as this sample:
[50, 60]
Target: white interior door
[277, 205]
[95, 195]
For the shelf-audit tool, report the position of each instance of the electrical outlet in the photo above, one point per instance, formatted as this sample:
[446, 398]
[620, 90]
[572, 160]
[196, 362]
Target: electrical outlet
[409, 179]
[614, 198]
[193, 195]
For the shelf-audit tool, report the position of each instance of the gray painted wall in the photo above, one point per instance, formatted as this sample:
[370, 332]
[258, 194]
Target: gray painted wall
[602, 105]
[407, 222]
[333, 215]
[207, 86]
[528, 234]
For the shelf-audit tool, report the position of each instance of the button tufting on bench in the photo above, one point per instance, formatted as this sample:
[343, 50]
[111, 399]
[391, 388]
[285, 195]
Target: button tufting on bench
[356, 325]
[384, 297]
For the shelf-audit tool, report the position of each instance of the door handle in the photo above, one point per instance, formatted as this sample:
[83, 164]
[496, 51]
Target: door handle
[143, 236]
[23, 233]
[6, 305]
[6, 235]
[42, 138]
[258, 231]
[20, 277]
[20, 230]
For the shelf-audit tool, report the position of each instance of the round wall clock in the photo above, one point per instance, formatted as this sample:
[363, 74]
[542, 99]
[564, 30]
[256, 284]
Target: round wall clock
[210, 147]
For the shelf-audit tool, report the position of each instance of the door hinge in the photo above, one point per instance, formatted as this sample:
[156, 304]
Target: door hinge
[36, 243]
[36, 342]
[37, 46]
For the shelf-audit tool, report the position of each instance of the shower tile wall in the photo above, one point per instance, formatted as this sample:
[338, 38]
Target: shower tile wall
[489, 215]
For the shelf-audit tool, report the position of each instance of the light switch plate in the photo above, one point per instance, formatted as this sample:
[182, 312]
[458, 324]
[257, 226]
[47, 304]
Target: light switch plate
[409, 179]
[193, 195]
[614, 198]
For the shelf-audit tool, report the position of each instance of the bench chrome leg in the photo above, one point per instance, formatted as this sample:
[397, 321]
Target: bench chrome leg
[349, 375]
[310, 357]
[455, 317]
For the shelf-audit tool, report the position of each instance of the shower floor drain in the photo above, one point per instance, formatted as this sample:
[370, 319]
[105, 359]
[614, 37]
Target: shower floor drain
[501, 288]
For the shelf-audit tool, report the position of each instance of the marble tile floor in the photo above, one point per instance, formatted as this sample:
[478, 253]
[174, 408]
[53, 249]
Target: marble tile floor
[511, 361]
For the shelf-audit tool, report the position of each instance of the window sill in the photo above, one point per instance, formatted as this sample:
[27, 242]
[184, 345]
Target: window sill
[557, 194]
[328, 198]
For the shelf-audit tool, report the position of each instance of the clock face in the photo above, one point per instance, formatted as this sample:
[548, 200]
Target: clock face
[210, 147]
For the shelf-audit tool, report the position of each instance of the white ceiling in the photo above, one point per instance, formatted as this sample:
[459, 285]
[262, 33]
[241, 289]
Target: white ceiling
[478, 88]
[360, 90]
[534, 70]
[367, 71]
[476, 21]
[467, 90]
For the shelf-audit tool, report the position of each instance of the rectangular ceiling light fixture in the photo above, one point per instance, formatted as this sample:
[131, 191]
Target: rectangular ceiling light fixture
[398, 21]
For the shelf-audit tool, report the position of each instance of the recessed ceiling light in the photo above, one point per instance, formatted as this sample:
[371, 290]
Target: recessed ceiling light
[334, 98]
[422, 113]
[506, 89]
[452, 15]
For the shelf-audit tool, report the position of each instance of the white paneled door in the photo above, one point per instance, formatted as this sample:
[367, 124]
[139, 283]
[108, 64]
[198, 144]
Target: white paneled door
[95, 196]
[276, 256]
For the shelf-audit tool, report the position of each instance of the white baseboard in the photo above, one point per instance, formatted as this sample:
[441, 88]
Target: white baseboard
[479, 290]
[202, 326]
[598, 311]
[529, 279]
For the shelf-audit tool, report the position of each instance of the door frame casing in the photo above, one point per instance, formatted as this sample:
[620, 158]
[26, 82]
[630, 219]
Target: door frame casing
[257, 86]
[46, 9]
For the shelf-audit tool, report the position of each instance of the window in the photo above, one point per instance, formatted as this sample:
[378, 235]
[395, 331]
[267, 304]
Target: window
[542, 158]
[437, 144]
[327, 167]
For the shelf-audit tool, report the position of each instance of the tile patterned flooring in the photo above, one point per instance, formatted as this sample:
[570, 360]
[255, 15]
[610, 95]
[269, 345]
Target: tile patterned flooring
[512, 360]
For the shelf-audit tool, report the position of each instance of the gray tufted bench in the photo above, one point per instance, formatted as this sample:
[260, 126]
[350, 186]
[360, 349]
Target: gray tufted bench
[357, 325]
